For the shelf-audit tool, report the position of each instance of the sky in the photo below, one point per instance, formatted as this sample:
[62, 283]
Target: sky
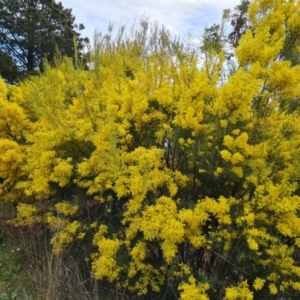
[178, 16]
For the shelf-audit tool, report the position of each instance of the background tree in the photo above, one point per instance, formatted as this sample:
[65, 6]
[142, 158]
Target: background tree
[31, 30]
[8, 68]
[239, 21]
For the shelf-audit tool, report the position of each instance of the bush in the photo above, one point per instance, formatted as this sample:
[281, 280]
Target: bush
[172, 182]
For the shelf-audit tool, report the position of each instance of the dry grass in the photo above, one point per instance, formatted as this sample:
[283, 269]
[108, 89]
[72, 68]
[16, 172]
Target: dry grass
[48, 276]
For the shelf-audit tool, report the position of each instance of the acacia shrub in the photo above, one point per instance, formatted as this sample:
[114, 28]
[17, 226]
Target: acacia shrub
[175, 183]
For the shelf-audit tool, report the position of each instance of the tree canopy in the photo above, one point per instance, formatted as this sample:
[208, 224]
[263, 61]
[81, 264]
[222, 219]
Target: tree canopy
[8, 68]
[33, 30]
[179, 179]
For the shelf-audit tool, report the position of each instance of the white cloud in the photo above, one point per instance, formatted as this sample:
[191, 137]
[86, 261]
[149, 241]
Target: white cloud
[178, 16]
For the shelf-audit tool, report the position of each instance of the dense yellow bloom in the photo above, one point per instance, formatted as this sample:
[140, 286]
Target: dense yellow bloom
[192, 290]
[62, 172]
[105, 265]
[226, 155]
[236, 158]
[181, 180]
[66, 235]
[273, 289]
[66, 209]
[252, 244]
[238, 171]
[3, 89]
[258, 283]
[241, 292]
[26, 214]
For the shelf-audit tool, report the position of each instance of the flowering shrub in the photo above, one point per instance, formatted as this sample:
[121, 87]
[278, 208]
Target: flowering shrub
[177, 182]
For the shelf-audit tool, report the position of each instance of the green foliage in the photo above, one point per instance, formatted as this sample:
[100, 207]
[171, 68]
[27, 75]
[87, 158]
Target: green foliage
[8, 69]
[9, 266]
[239, 22]
[9, 295]
[9, 269]
[33, 30]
